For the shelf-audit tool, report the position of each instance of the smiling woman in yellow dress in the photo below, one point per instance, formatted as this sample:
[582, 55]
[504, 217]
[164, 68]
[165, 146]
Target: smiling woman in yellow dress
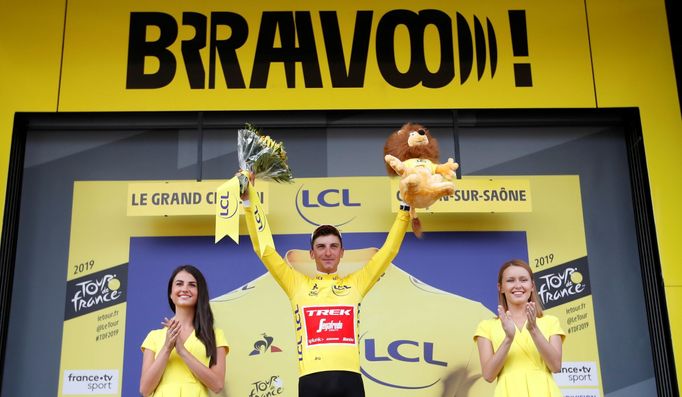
[521, 347]
[187, 356]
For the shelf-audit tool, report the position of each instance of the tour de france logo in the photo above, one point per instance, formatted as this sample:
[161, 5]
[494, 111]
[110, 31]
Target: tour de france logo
[269, 387]
[564, 283]
[96, 291]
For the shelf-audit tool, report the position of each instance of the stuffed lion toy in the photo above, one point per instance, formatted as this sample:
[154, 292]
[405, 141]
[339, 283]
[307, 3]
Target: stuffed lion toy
[413, 154]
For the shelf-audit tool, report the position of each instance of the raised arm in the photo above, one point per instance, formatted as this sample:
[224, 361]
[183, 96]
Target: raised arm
[370, 273]
[285, 275]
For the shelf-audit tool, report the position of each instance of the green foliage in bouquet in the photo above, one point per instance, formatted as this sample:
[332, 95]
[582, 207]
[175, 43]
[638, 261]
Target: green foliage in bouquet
[262, 155]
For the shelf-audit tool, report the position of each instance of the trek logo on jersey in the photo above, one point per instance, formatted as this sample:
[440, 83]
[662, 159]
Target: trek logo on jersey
[264, 345]
[333, 324]
[563, 283]
[311, 203]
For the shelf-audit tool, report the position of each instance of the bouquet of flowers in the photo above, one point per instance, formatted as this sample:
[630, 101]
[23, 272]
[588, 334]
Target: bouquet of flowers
[262, 156]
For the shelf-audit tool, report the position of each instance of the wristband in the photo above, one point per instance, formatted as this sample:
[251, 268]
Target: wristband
[246, 203]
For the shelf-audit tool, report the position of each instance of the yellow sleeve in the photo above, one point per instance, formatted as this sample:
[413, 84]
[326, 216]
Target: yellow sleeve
[152, 341]
[370, 273]
[553, 327]
[484, 330]
[220, 340]
[285, 275]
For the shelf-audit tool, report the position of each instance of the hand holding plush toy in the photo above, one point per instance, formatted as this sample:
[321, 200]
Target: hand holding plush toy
[413, 154]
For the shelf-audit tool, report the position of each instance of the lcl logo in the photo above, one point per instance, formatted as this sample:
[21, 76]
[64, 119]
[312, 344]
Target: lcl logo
[328, 198]
[228, 206]
[404, 351]
[325, 198]
[423, 351]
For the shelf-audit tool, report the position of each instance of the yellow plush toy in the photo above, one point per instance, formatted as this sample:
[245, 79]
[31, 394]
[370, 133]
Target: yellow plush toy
[413, 154]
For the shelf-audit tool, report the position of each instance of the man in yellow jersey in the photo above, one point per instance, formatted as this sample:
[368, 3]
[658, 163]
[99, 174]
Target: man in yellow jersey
[326, 307]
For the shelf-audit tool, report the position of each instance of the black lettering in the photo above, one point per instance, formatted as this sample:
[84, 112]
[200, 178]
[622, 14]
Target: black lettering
[354, 76]
[492, 43]
[479, 39]
[288, 53]
[385, 48]
[227, 49]
[139, 49]
[190, 49]
[466, 47]
[417, 71]
[288, 38]
[446, 72]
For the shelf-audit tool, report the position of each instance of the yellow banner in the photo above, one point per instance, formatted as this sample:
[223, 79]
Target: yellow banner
[227, 211]
[173, 198]
[478, 195]
[316, 197]
[213, 55]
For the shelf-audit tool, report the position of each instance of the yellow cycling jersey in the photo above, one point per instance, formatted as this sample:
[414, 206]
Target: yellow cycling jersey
[326, 308]
[417, 162]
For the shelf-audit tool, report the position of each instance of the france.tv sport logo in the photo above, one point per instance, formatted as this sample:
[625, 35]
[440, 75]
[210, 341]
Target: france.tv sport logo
[93, 381]
[577, 373]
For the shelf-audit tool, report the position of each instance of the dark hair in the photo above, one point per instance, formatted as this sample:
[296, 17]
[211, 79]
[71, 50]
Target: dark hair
[533, 292]
[325, 230]
[203, 316]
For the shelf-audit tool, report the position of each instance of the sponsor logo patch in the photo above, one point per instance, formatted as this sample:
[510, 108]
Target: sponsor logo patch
[334, 324]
